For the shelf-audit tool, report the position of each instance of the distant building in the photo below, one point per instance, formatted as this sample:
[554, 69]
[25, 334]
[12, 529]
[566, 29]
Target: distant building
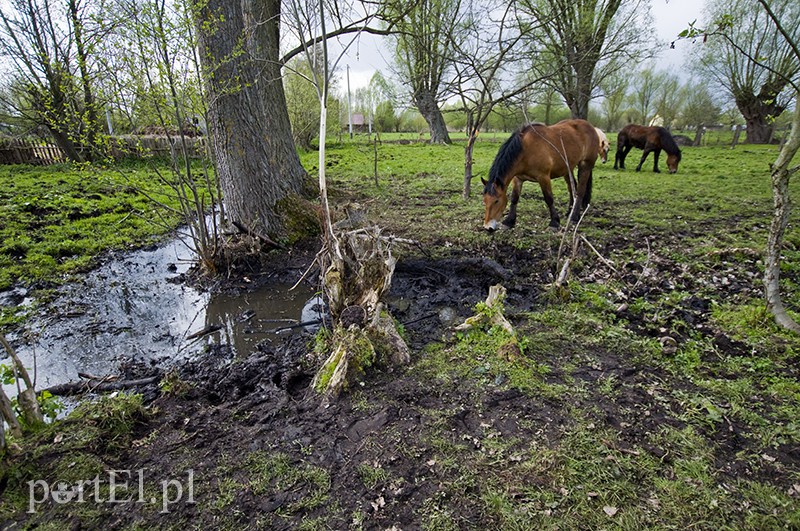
[359, 124]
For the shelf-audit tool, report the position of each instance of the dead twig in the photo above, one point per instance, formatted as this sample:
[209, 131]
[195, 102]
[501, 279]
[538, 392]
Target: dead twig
[246, 230]
[600, 256]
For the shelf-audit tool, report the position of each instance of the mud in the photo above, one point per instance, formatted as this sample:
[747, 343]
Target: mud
[396, 421]
[140, 307]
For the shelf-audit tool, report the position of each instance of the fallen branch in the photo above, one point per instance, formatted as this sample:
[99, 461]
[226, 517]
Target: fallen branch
[298, 325]
[423, 318]
[253, 234]
[600, 256]
[77, 388]
[210, 329]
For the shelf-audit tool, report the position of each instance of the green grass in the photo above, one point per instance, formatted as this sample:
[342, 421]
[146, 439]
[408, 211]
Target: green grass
[582, 359]
[55, 220]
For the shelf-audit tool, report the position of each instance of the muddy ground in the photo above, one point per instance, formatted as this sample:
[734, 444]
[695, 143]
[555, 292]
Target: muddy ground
[263, 453]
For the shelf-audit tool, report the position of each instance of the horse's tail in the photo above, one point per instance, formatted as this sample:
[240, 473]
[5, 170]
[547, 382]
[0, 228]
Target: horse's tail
[506, 156]
[622, 143]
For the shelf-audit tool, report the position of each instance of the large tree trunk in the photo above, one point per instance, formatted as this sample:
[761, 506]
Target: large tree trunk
[758, 130]
[429, 110]
[64, 142]
[780, 219]
[257, 164]
[579, 102]
[757, 116]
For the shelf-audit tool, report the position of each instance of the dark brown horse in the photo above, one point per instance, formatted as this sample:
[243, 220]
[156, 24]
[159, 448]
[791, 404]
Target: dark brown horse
[649, 139]
[537, 152]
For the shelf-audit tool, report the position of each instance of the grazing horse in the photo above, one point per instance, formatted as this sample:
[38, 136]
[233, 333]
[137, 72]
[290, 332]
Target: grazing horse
[649, 139]
[605, 145]
[538, 152]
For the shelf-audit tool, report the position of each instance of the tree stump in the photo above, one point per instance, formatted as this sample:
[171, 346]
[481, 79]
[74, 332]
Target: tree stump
[358, 266]
[490, 314]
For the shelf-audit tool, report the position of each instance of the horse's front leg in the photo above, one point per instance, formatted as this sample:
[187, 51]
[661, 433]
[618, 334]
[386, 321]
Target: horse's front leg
[656, 153]
[547, 192]
[516, 190]
[583, 193]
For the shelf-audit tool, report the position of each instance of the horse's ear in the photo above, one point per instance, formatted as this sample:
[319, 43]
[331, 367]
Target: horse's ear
[484, 181]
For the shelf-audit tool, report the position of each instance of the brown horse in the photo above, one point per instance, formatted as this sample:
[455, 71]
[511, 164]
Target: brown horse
[537, 152]
[649, 139]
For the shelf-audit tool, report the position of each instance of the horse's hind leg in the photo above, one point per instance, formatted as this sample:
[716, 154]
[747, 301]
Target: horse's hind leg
[622, 153]
[516, 190]
[647, 149]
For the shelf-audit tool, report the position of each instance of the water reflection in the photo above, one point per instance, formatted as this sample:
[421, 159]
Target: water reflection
[132, 307]
[254, 317]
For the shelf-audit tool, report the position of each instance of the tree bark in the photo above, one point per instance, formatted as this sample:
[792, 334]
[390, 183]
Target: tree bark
[758, 130]
[257, 163]
[698, 135]
[579, 102]
[433, 116]
[781, 173]
[468, 150]
[757, 116]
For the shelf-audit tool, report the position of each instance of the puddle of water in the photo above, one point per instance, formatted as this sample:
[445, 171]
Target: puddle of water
[127, 310]
[259, 316]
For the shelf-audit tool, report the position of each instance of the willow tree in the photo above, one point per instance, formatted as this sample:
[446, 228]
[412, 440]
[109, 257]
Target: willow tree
[644, 93]
[582, 42]
[760, 87]
[49, 48]
[423, 44]
[263, 183]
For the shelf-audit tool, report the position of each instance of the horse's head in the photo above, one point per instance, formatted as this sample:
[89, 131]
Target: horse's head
[605, 145]
[672, 161]
[495, 200]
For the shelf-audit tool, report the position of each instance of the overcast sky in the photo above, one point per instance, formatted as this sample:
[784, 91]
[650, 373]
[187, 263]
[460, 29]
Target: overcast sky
[671, 17]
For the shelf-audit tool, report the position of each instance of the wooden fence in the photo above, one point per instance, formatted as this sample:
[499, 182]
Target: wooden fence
[29, 151]
[142, 146]
[38, 152]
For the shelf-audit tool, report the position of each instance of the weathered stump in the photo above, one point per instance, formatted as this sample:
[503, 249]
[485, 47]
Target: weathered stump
[358, 267]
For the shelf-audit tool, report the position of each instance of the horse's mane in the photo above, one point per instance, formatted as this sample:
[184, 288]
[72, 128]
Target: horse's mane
[505, 158]
[668, 143]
